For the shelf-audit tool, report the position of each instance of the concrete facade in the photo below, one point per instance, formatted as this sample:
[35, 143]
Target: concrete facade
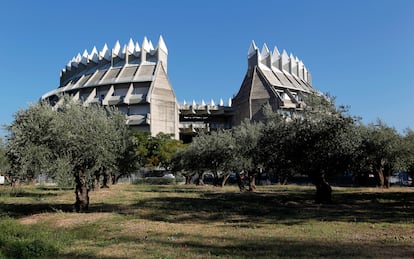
[274, 78]
[134, 78]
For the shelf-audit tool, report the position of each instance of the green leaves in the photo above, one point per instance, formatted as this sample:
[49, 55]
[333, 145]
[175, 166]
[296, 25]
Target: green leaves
[63, 139]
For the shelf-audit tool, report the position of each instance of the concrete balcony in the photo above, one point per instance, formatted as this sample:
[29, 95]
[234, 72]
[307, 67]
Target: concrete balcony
[114, 100]
[137, 98]
[139, 119]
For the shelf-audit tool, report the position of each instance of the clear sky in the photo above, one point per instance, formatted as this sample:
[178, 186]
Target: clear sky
[360, 51]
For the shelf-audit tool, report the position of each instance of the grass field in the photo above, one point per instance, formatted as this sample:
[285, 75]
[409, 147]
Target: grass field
[147, 221]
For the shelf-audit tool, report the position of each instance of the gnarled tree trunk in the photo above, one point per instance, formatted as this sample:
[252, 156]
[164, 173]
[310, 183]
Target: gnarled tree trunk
[252, 181]
[240, 182]
[107, 180]
[225, 178]
[81, 192]
[323, 189]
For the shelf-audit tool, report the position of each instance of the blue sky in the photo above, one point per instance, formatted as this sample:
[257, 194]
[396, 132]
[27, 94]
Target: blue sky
[362, 52]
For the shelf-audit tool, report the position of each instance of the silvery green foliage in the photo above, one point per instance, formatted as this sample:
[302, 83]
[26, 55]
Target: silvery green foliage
[65, 139]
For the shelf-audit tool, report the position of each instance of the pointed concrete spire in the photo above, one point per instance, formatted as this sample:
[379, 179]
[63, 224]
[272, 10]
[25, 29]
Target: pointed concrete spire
[74, 62]
[212, 103]
[151, 46]
[105, 54]
[84, 59]
[252, 49]
[161, 45]
[276, 58]
[265, 51]
[203, 103]
[78, 58]
[276, 52]
[85, 53]
[145, 45]
[137, 50]
[194, 103]
[69, 66]
[284, 61]
[184, 103]
[131, 46]
[230, 102]
[116, 50]
[221, 103]
[93, 56]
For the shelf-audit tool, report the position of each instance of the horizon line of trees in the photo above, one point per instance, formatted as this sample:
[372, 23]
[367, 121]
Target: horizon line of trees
[87, 146]
[320, 141]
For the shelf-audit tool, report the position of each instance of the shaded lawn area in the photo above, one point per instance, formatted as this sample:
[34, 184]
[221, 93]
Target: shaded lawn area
[144, 221]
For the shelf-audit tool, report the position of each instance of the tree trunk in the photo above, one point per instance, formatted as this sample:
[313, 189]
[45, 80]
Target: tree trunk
[380, 175]
[225, 177]
[323, 189]
[81, 192]
[252, 181]
[188, 179]
[107, 180]
[200, 179]
[240, 182]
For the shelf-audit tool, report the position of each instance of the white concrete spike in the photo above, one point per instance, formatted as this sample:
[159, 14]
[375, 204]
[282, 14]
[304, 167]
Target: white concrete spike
[161, 45]
[78, 58]
[230, 102]
[194, 103]
[212, 103]
[203, 103]
[221, 103]
[85, 54]
[74, 61]
[265, 51]
[151, 46]
[116, 49]
[276, 52]
[252, 49]
[94, 55]
[137, 50]
[285, 60]
[123, 52]
[68, 67]
[145, 45]
[184, 103]
[131, 46]
[105, 54]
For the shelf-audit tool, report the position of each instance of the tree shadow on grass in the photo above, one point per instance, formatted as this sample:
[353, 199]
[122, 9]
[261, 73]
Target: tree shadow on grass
[280, 208]
[22, 210]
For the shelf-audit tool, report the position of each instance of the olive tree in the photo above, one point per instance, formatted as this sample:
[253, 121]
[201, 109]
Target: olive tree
[317, 142]
[246, 158]
[68, 141]
[210, 152]
[381, 151]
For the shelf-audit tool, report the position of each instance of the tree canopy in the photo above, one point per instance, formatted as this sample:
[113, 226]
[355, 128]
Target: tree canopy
[69, 141]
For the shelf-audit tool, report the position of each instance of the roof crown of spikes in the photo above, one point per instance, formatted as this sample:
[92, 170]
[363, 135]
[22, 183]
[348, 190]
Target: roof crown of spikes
[277, 62]
[130, 53]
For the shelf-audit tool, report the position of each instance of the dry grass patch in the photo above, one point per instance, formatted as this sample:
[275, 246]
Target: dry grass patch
[129, 221]
[64, 220]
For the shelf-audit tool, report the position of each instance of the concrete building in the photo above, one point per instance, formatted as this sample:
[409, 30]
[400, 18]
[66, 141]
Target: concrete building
[134, 78]
[281, 80]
